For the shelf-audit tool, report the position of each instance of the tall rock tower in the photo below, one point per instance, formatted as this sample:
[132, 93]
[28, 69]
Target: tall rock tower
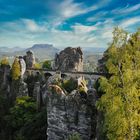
[29, 59]
[70, 59]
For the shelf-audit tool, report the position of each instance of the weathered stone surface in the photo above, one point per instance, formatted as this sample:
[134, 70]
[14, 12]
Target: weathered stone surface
[82, 83]
[78, 118]
[22, 89]
[4, 75]
[57, 126]
[22, 65]
[18, 89]
[37, 95]
[29, 59]
[69, 114]
[70, 59]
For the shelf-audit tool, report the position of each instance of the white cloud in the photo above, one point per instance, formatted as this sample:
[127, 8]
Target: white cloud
[131, 21]
[23, 35]
[27, 32]
[32, 26]
[24, 25]
[97, 16]
[126, 10]
[79, 28]
[68, 9]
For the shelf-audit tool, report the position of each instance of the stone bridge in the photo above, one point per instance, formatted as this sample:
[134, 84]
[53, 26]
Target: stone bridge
[94, 75]
[90, 76]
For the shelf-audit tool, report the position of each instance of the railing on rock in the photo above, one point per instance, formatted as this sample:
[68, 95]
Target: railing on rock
[71, 72]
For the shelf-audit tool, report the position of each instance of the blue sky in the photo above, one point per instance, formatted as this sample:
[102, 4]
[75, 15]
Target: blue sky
[85, 23]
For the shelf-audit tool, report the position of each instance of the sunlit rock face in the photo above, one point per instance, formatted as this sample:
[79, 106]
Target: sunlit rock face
[70, 113]
[22, 66]
[29, 59]
[70, 59]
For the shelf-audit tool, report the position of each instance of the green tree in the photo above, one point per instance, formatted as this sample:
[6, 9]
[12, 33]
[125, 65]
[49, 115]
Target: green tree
[69, 85]
[5, 61]
[16, 70]
[120, 102]
[24, 122]
[46, 64]
[37, 66]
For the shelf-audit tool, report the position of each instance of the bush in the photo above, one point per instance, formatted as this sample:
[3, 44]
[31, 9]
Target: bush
[4, 61]
[37, 66]
[16, 72]
[24, 122]
[47, 64]
[69, 85]
[75, 136]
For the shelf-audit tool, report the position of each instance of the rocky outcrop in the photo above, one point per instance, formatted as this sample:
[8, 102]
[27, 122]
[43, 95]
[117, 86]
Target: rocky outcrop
[23, 90]
[70, 59]
[4, 75]
[22, 65]
[29, 59]
[37, 95]
[72, 113]
[19, 88]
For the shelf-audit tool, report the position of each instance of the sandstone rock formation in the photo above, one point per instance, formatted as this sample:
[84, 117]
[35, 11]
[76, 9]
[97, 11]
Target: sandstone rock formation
[4, 74]
[29, 59]
[23, 90]
[70, 59]
[22, 65]
[71, 113]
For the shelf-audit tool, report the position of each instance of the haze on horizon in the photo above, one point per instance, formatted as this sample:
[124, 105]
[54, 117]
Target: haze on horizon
[65, 22]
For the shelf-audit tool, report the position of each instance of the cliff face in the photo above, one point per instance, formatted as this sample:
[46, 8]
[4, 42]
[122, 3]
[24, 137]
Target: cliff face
[29, 59]
[70, 113]
[70, 59]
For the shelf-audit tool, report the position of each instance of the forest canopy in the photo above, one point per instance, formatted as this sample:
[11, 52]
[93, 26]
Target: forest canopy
[120, 100]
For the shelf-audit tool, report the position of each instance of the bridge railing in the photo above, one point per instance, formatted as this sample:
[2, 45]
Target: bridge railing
[71, 72]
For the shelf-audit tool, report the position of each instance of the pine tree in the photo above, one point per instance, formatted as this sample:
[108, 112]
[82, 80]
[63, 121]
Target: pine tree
[16, 69]
[120, 102]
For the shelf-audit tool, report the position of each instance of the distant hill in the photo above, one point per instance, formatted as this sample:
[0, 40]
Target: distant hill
[46, 51]
[90, 50]
[43, 51]
[9, 50]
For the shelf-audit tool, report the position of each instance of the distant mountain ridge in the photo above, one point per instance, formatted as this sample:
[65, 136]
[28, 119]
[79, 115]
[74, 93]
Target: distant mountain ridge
[44, 51]
[43, 46]
[7, 49]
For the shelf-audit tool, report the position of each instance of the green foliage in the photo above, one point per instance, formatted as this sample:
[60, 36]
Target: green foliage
[24, 122]
[16, 69]
[36, 128]
[120, 102]
[22, 112]
[4, 61]
[46, 64]
[37, 66]
[69, 85]
[74, 136]
[82, 90]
